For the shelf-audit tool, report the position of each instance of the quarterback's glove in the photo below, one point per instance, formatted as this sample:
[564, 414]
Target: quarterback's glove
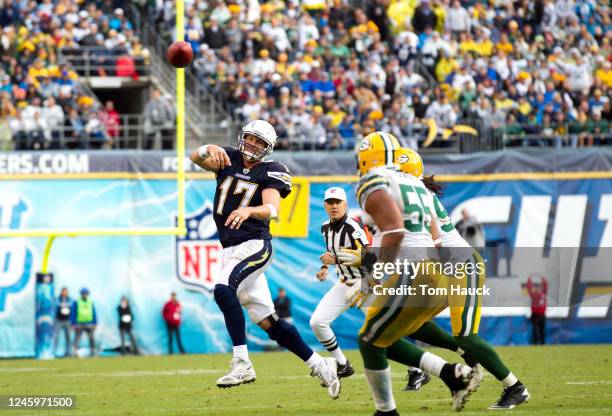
[349, 257]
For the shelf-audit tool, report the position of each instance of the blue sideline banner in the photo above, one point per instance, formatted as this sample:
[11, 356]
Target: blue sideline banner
[517, 211]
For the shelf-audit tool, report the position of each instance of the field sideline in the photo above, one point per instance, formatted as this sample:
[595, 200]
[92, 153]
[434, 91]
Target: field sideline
[563, 380]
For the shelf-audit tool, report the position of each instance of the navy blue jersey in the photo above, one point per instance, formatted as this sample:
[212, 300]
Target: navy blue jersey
[238, 187]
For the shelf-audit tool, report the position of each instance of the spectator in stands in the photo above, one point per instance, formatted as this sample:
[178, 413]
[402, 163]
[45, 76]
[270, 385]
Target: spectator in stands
[214, 35]
[458, 19]
[74, 130]
[37, 130]
[251, 110]
[62, 322]
[19, 135]
[282, 305]
[126, 320]
[507, 45]
[95, 133]
[172, 316]
[83, 319]
[111, 120]
[538, 292]
[54, 118]
[424, 17]
[159, 118]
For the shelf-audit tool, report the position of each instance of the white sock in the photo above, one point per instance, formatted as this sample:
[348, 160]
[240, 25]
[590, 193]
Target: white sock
[339, 356]
[242, 352]
[411, 368]
[431, 363]
[509, 381]
[380, 386]
[314, 361]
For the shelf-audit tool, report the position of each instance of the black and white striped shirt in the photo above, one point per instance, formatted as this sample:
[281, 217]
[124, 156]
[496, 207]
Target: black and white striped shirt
[345, 233]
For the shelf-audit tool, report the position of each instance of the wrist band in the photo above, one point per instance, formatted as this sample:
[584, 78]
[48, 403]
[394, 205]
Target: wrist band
[437, 241]
[273, 211]
[203, 151]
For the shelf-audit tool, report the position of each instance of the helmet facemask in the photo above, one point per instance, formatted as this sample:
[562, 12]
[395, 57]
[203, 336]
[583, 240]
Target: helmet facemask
[251, 152]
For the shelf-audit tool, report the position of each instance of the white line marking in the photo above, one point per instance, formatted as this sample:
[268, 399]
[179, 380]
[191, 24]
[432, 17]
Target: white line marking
[580, 383]
[22, 370]
[144, 373]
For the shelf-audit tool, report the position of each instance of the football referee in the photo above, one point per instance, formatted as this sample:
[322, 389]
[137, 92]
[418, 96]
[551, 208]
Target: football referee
[339, 232]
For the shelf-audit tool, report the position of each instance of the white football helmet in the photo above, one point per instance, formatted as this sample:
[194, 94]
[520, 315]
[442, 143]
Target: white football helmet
[261, 129]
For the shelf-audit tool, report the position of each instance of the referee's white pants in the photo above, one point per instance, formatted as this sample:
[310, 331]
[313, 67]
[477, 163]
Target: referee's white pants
[331, 306]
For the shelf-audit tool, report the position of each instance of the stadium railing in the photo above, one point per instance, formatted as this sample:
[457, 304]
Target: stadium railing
[555, 135]
[130, 134]
[206, 117]
[96, 61]
[556, 140]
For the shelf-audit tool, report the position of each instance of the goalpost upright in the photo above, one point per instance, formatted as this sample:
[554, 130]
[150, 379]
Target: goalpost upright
[180, 228]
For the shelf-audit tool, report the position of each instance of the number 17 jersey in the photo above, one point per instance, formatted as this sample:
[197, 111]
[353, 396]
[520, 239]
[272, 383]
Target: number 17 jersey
[238, 187]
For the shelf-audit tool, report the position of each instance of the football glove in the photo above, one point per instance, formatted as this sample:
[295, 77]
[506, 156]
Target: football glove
[349, 257]
[356, 258]
[355, 297]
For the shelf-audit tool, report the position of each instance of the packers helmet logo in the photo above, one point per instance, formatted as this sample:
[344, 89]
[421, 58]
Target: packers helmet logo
[364, 145]
[403, 158]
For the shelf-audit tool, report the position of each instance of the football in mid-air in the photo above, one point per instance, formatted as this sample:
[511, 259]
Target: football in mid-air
[179, 54]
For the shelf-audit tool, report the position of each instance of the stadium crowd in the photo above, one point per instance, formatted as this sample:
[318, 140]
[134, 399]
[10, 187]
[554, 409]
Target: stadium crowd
[324, 72]
[40, 94]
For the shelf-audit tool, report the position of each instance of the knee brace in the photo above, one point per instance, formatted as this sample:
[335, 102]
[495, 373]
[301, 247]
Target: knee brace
[226, 298]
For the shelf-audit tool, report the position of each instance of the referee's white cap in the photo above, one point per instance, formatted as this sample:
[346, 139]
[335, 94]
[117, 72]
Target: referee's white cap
[335, 193]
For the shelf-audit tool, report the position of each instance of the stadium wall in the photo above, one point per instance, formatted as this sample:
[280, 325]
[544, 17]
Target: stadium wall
[533, 200]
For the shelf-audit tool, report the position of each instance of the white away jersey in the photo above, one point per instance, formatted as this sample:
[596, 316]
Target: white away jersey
[414, 200]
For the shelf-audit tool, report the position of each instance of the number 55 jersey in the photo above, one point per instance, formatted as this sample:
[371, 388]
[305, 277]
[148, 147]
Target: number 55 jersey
[414, 200]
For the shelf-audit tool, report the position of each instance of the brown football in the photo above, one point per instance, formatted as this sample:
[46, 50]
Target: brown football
[179, 54]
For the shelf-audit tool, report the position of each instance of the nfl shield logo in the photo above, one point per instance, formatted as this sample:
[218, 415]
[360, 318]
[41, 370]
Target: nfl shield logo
[199, 252]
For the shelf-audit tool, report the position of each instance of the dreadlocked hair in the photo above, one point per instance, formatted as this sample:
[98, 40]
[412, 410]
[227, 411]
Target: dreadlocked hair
[431, 184]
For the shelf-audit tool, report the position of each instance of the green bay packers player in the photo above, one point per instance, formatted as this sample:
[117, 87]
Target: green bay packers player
[401, 209]
[465, 309]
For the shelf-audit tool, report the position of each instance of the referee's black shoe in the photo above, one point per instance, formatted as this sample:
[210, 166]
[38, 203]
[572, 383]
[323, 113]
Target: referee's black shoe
[345, 370]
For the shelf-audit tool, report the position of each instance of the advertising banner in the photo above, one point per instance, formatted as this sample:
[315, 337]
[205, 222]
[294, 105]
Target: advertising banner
[522, 209]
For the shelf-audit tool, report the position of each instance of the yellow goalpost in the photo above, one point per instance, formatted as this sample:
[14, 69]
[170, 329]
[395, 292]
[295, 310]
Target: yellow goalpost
[180, 228]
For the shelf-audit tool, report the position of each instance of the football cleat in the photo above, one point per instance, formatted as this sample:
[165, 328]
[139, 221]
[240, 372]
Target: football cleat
[511, 397]
[327, 372]
[462, 383]
[477, 377]
[416, 379]
[241, 372]
[345, 370]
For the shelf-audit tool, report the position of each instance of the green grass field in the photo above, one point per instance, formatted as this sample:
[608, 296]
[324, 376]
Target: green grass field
[563, 380]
